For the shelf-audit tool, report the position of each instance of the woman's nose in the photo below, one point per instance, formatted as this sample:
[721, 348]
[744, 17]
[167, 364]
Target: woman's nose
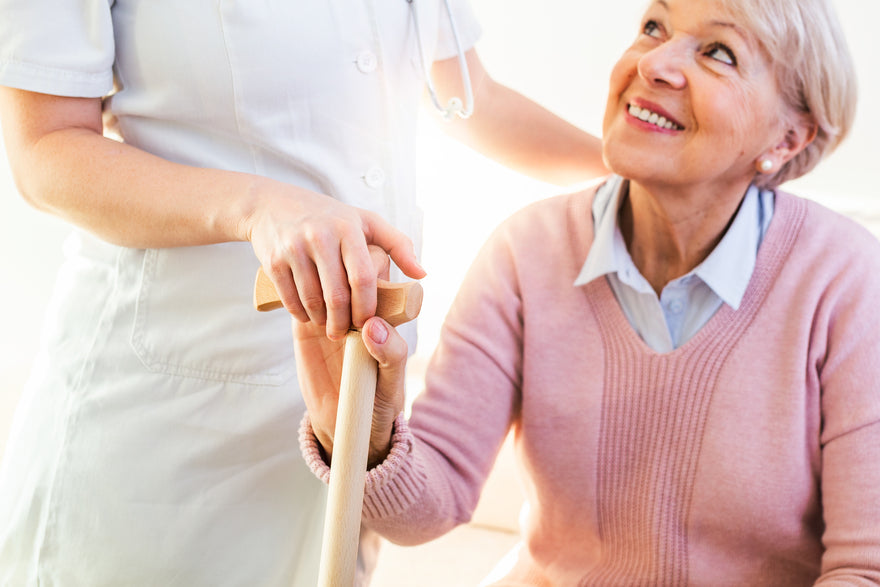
[665, 64]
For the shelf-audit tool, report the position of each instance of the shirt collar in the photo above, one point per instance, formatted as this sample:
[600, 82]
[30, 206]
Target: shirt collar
[726, 270]
[602, 258]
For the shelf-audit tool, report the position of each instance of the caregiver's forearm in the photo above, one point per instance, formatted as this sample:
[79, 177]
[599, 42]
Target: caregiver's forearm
[64, 166]
[517, 132]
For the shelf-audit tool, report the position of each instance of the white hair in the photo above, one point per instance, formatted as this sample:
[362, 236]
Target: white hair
[814, 71]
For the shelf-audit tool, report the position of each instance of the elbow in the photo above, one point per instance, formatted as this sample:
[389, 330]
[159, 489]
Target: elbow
[27, 182]
[46, 171]
[32, 195]
[413, 533]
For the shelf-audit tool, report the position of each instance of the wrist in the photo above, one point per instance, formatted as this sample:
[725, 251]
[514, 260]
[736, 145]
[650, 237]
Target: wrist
[380, 447]
[382, 439]
[324, 443]
[384, 417]
[252, 199]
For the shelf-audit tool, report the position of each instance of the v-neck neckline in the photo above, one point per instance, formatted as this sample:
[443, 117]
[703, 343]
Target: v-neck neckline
[726, 322]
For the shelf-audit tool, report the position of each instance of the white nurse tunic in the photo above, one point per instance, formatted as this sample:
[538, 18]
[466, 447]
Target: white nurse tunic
[156, 442]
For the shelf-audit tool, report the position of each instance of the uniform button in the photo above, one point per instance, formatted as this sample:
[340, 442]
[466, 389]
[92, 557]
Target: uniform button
[367, 62]
[375, 177]
[676, 306]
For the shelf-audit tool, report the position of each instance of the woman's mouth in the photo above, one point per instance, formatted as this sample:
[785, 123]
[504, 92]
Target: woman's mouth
[650, 117]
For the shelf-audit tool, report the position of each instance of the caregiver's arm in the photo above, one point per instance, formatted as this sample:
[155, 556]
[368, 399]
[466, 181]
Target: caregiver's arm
[313, 247]
[515, 131]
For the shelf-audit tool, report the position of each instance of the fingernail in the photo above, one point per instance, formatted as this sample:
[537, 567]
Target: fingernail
[378, 332]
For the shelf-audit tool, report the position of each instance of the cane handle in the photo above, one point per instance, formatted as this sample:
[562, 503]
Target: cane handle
[396, 303]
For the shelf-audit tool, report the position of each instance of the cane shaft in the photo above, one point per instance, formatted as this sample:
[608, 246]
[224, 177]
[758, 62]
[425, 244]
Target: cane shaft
[396, 303]
[354, 418]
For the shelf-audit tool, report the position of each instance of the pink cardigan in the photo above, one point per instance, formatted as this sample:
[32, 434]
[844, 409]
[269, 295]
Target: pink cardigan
[749, 456]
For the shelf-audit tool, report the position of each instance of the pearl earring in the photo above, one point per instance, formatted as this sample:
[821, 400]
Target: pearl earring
[766, 165]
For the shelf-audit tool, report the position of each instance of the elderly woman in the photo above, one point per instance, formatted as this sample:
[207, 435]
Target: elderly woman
[689, 358]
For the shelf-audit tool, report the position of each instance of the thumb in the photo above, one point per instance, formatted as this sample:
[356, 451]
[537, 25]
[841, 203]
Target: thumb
[389, 349]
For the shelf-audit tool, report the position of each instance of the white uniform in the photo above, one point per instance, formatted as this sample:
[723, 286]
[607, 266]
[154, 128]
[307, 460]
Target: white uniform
[156, 441]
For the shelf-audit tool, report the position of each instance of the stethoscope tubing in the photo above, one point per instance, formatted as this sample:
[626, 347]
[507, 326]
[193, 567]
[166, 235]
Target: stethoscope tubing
[454, 107]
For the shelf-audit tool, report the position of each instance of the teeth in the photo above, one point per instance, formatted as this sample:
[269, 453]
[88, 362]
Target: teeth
[653, 118]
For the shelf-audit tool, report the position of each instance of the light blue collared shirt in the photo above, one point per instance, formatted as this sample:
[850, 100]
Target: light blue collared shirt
[688, 302]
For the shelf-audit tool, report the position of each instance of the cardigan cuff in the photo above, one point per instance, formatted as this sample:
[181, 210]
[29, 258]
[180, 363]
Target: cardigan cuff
[394, 476]
[311, 450]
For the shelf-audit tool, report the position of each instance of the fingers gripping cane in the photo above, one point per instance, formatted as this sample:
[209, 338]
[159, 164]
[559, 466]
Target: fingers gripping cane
[396, 303]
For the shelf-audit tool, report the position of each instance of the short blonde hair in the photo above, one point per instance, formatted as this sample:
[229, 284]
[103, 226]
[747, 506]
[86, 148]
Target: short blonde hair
[814, 70]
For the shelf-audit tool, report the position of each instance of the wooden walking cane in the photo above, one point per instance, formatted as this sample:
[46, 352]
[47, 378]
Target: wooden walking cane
[396, 303]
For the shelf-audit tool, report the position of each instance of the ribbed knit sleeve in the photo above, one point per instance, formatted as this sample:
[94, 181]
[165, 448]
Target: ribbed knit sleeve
[846, 352]
[398, 467]
[471, 398]
[439, 463]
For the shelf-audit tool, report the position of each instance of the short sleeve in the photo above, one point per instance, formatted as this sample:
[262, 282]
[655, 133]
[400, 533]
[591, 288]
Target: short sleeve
[60, 47]
[466, 26]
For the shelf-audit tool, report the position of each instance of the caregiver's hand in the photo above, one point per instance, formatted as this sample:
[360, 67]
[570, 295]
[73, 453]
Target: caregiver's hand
[314, 249]
[319, 361]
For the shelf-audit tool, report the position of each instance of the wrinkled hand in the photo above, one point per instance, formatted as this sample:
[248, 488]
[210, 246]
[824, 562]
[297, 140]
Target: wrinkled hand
[314, 249]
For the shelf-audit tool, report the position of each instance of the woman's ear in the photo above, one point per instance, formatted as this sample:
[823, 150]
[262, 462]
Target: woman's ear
[797, 137]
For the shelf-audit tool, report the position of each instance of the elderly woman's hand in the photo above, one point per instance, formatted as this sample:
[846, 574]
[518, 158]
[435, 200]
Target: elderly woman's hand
[319, 363]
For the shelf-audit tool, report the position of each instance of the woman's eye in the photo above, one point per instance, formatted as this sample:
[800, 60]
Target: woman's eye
[721, 53]
[652, 29]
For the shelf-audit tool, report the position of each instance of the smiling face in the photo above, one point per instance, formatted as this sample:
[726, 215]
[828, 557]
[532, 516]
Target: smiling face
[693, 102]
